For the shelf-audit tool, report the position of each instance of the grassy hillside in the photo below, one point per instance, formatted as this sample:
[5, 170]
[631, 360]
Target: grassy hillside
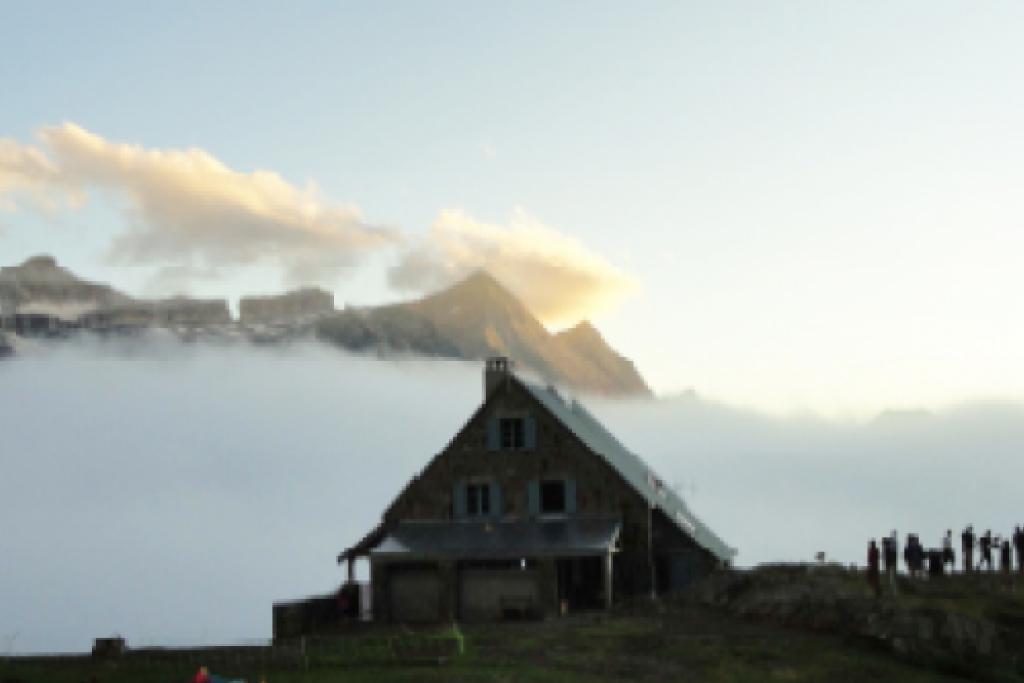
[789, 623]
[686, 645]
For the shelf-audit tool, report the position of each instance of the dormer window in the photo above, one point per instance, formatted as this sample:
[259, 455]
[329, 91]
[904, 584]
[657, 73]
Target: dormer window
[513, 432]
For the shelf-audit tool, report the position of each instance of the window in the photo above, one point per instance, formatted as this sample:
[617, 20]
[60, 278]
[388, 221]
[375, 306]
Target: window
[513, 432]
[478, 500]
[552, 496]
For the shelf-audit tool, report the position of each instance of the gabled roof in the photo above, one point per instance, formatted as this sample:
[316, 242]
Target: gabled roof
[633, 469]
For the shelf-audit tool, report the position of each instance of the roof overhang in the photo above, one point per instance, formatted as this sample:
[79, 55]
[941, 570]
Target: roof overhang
[494, 539]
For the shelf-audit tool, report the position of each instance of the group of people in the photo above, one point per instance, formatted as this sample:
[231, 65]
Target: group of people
[916, 556]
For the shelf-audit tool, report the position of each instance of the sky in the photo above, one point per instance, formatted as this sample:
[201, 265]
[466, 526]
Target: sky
[172, 497]
[798, 207]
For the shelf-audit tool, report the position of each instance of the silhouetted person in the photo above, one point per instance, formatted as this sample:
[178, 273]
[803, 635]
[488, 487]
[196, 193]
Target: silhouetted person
[985, 543]
[967, 545]
[891, 557]
[873, 563]
[936, 562]
[1018, 545]
[890, 552]
[947, 550]
[1005, 558]
[913, 555]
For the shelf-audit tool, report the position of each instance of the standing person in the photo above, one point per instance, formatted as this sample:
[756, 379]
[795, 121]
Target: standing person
[967, 545]
[947, 550]
[913, 555]
[873, 576]
[985, 543]
[1004, 557]
[890, 555]
[1018, 544]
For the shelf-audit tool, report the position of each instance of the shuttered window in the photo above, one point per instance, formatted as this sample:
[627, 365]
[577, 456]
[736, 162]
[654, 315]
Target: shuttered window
[552, 496]
[478, 500]
[511, 433]
[458, 501]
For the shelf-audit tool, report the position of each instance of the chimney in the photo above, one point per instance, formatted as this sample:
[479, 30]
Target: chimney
[495, 373]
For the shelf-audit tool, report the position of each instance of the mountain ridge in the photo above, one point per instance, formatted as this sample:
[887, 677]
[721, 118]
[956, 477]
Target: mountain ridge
[473, 319]
[479, 317]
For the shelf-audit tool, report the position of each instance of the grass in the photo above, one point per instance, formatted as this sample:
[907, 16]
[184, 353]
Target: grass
[688, 645]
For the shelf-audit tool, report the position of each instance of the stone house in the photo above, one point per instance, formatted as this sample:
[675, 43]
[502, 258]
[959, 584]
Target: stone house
[531, 509]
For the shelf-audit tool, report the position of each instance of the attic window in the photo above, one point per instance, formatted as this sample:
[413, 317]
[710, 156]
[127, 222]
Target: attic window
[513, 432]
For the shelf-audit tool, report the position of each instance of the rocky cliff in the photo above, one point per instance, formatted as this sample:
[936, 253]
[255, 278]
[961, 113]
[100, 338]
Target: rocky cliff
[39, 285]
[478, 317]
[298, 305]
[473, 319]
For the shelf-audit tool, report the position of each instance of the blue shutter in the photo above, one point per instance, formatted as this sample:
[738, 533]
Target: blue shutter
[496, 510]
[530, 435]
[493, 435]
[533, 497]
[570, 496]
[459, 501]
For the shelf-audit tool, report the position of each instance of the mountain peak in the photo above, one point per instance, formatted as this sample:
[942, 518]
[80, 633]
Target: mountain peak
[41, 267]
[41, 278]
[481, 292]
[481, 280]
[584, 329]
[40, 262]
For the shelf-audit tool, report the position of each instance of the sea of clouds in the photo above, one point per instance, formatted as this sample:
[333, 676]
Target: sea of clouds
[171, 493]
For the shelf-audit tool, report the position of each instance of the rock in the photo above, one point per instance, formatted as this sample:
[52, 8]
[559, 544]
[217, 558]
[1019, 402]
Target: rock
[42, 282]
[177, 311]
[291, 306]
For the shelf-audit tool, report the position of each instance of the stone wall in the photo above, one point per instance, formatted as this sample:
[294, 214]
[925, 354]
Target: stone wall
[600, 490]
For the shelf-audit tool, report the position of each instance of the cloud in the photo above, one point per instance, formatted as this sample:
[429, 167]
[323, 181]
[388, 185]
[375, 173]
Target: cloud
[554, 275]
[188, 209]
[27, 172]
[193, 217]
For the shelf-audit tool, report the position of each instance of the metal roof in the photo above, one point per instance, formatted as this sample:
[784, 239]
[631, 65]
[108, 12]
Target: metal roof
[632, 468]
[566, 536]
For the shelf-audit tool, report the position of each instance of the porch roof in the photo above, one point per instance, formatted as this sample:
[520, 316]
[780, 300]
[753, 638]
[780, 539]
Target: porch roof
[485, 539]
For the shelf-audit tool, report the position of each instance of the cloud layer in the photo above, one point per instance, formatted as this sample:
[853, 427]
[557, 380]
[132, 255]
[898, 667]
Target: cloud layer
[190, 504]
[189, 209]
[555, 276]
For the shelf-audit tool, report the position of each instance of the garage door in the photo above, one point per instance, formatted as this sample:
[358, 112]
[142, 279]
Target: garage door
[415, 594]
[492, 594]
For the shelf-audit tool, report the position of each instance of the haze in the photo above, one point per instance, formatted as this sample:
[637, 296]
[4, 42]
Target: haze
[170, 492]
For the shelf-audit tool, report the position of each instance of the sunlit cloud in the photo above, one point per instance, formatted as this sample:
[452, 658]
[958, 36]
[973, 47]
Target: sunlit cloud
[27, 174]
[186, 208]
[554, 275]
[193, 217]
